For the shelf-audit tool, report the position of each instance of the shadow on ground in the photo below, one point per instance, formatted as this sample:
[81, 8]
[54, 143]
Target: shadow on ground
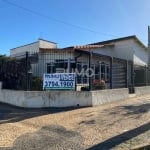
[10, 114]
[129, 110]
[53, 137]
[116, 140]
[137, 109]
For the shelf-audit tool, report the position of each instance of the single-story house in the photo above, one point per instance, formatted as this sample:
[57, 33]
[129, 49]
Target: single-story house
[113, 60]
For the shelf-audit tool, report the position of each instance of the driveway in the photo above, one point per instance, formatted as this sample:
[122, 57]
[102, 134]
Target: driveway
[119, 125]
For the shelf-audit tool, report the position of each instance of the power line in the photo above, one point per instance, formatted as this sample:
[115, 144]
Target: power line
[57, 20]
[60, 21]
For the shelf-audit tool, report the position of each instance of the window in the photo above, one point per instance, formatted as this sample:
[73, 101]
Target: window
[79, 76]
[97, 71]
[82, 72]
[62, 65]
[102, 71]
[51, 68]
[85, 78]
[107, 76]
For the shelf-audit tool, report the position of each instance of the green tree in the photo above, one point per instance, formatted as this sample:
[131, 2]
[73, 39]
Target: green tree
[13, 72]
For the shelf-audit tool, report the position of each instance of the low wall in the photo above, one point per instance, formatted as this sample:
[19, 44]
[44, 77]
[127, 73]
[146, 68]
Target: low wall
[39, 99]
[142, 90]
[106, 96]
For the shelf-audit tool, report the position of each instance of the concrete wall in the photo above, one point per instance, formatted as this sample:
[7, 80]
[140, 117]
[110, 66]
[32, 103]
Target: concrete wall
[140, 55]
[46, 44]
[139, 91]
[126, 49]
[106, 96]
[39, 99]
[122, 49]
[33, 47]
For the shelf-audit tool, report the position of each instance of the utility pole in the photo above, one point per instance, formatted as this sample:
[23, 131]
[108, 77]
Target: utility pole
[148, 75]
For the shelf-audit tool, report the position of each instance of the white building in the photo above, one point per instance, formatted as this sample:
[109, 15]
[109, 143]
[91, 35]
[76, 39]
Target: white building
[113, 60]
[32, 47]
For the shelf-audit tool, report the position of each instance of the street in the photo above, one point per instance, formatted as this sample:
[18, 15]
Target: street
[118, 125]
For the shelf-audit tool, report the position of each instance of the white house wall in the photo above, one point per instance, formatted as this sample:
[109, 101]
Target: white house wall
[45, 58]
[34, 47]
[122, 49]
[126, 49]
[140, 55]
[47, 44]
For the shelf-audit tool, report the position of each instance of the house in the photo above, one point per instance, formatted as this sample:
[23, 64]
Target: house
[133, 50]
[113, 61]
[32, 47]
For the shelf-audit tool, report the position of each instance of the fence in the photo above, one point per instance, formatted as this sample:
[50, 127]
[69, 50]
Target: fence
[93, 71]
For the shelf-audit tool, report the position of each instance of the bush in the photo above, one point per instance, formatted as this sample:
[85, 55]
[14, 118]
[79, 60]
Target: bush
[36, 84]
[96, 85]
[85, 88]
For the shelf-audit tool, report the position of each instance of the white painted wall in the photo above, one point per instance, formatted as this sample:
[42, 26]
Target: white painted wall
[39, 99]
[140, 55]
[48, 57]
[33, 47]
[106, 96]
[126, 49]
[46, 44]
[122, 49]
[144, 90]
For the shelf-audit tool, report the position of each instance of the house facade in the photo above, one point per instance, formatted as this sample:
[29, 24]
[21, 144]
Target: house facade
[113, 61]
[32, 47]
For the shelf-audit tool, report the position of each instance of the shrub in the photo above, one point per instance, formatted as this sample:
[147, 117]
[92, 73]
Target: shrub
[98, 84]
[36, 84]
[85, 88]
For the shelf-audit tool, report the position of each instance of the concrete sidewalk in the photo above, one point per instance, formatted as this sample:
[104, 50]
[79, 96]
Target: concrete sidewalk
[120, 125]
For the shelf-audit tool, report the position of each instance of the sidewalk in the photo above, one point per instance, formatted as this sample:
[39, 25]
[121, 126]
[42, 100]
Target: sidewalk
[119, 126]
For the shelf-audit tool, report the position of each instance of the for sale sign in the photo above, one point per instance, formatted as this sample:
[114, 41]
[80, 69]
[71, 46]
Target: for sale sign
[59, 81]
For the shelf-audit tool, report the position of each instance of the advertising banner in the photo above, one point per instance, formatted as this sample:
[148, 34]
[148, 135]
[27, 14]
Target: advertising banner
[59, 81]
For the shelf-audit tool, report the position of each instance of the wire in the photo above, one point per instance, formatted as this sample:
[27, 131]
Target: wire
[61, 21]
[57, 20]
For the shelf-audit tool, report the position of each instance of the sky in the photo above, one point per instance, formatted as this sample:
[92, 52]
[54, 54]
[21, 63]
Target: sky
[71, 22]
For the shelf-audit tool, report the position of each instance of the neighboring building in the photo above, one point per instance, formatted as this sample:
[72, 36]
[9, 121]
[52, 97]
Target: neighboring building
[113, 60]
[32, 47]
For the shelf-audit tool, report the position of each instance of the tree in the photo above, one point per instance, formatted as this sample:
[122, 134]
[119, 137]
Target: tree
[13, 72]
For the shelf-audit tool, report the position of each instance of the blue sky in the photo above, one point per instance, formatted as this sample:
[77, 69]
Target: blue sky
[71, 22]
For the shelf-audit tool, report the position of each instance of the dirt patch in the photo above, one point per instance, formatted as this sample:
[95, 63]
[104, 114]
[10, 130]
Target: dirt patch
[53, 137]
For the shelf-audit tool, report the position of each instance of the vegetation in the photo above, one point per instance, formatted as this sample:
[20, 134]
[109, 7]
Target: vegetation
[36, 84]
[13, 72]
[96, 85]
